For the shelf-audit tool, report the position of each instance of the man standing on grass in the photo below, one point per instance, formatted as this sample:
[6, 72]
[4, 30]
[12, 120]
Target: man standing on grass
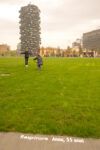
[39, 61]
[26, 56]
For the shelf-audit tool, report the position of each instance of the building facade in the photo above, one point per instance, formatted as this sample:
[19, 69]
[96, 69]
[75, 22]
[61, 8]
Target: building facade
[4, 47]
[51, 52]
[91, 40]
[76, 45]
[18, 50]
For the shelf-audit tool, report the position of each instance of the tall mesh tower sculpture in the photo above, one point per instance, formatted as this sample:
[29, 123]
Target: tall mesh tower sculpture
[30, 28]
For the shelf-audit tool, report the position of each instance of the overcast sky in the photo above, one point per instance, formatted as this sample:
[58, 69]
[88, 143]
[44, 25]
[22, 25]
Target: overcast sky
[62, 21]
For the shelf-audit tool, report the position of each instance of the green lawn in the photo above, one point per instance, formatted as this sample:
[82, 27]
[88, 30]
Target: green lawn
[63, 98]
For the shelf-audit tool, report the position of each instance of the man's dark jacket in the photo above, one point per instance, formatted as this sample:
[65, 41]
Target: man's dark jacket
[26, 54]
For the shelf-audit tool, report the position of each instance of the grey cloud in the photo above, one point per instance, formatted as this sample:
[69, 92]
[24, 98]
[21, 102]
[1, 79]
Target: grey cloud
[8, 26]
[64, 18]
[9, 32]
[71, 13]
[13, 2]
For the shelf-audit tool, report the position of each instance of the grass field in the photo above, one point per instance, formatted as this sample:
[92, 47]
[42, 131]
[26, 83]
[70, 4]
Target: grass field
[63, 98]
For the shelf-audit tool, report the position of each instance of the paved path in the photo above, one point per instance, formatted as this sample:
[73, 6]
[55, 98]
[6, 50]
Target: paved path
[20, 141]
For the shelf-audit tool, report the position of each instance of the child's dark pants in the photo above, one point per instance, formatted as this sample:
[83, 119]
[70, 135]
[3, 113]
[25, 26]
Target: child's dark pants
[39, 66]
[26, 60]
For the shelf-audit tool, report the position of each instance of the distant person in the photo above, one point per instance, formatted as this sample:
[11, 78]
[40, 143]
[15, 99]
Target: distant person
[39, 61]
[26, 56]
